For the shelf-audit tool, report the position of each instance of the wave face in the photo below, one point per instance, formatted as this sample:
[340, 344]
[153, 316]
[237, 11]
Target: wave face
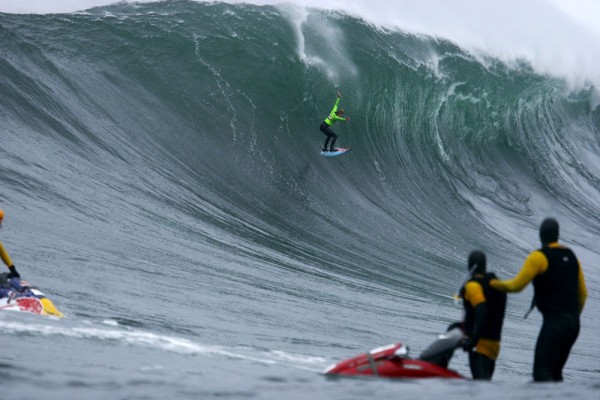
[173, 147]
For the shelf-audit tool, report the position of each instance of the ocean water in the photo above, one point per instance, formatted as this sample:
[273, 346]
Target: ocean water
[162, 183]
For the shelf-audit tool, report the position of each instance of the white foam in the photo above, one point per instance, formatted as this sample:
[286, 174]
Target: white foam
[545, 33]
[329, 37]
[298, 358]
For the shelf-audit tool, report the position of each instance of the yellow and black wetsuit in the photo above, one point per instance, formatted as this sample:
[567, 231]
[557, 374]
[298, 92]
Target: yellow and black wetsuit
[560, 295]
[484, 315]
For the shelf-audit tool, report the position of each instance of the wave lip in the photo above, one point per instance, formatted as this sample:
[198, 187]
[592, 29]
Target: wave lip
[558, 38]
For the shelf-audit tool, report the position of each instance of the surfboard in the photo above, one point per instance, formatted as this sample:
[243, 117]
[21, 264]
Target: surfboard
[339, 152]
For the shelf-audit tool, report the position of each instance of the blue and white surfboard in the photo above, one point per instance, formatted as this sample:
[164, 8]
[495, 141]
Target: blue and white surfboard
[339, 152]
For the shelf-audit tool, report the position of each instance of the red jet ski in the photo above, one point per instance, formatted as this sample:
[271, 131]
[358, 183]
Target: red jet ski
[394, 362]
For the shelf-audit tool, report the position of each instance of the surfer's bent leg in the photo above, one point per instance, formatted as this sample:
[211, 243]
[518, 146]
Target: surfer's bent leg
[332, 148]
[330, 135]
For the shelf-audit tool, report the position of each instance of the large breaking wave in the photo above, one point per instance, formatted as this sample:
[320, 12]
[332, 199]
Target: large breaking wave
[173, 147]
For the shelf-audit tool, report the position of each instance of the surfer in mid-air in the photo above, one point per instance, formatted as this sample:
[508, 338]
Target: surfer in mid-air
[334, 116]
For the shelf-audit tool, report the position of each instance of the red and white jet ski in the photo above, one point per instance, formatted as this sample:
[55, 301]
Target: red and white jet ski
[18, 295]
[394, 362]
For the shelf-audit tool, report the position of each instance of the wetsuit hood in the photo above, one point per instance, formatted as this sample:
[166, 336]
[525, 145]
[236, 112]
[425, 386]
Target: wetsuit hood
[477, 259]
[549, 231]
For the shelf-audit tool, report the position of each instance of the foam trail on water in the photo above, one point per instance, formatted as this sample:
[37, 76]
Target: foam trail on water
[131, 338]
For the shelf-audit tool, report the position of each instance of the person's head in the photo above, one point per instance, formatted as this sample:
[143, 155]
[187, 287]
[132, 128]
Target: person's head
[477, 261]
[549, 231]
[339, 112]
[1, 217]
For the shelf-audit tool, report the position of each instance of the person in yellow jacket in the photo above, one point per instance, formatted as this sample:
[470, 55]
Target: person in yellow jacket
[5, 257]
[559, 294]
[334, 116]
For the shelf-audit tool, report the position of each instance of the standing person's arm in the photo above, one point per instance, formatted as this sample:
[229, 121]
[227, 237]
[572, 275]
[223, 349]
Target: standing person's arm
[536, 263]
